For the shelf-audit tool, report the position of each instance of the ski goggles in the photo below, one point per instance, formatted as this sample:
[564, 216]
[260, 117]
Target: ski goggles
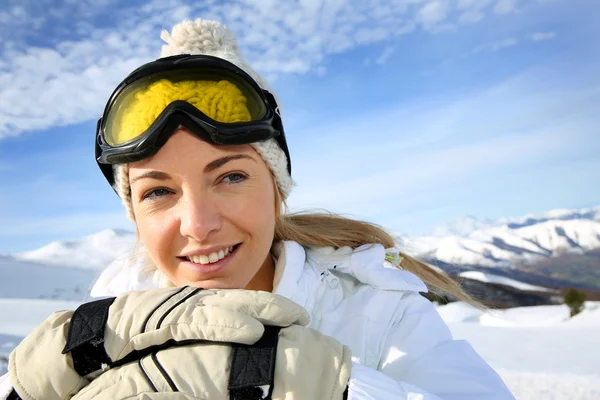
[213, 98]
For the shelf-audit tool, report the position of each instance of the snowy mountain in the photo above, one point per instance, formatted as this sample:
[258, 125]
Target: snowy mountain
[462, 226]
[550, 247]
[94, 251]
[561, 214]
[466, 241]
[501, 280]
[512, 241]
[62, 270]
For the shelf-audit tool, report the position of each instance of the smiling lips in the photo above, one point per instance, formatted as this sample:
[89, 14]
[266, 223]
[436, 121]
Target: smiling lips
[212, 257]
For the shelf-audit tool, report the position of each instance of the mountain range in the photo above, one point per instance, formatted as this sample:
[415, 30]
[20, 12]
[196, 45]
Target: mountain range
[557, 248]
[560, 248]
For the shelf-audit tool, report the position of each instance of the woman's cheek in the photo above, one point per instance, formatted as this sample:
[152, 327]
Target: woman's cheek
[158, 230]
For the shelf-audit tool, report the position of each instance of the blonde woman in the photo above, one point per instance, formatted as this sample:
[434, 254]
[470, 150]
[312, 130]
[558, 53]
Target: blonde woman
[193, 144]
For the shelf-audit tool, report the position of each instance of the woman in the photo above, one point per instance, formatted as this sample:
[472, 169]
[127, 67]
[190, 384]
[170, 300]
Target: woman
[194, 147]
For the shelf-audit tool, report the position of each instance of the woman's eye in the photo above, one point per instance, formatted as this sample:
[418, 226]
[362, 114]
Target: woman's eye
[155, 193]
[234, 178]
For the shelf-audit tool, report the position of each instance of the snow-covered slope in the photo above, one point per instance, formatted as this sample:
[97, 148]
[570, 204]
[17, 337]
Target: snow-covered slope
[93, 251]
[540, 352]
[62, 270]
[24, 279]
[501, 280]
[522, 240]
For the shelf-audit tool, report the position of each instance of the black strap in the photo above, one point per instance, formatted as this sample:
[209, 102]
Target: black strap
[253, 366]
[85, 339]
[13, 396]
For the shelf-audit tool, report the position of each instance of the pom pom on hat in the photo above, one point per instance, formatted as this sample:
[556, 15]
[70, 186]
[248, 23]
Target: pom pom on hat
[210, 38]
[214, 39]
[198, 37]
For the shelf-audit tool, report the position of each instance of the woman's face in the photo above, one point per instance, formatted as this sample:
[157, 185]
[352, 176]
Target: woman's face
[206, 213]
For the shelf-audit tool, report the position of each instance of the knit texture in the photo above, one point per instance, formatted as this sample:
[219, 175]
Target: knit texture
[214, 39]
[222, 101]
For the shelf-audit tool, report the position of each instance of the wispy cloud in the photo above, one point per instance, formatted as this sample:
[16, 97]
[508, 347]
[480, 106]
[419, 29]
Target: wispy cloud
[504, 7]
[472, 4]
[385, 56]
[541, 36]
[512, 41]
[495, 46]
[433, 12]
[471, 17]
[472, 11]
[66, 77]
[430, 149]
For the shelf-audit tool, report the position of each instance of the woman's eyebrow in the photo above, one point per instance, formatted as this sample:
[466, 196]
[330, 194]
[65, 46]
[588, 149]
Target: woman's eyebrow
[219, 162]
[158, 175]
[213, 165]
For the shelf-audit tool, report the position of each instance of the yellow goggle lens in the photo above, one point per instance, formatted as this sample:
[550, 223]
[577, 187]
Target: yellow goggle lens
[221, 101]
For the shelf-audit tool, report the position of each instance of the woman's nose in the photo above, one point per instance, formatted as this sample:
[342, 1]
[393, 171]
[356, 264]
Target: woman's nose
[199, 215]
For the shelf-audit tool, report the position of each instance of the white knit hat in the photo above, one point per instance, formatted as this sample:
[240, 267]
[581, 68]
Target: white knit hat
[212, 38]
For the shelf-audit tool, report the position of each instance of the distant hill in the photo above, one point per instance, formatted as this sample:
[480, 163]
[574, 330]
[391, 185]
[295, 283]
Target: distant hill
[558, 248]
[62, 270]
[94, 251]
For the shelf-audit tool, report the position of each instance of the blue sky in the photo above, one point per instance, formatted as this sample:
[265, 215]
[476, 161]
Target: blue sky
[408, 113]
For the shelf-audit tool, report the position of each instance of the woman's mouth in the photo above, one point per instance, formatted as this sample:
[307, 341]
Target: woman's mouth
[213, 262]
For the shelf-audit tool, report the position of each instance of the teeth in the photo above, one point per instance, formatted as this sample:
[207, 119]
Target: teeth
[212, 257]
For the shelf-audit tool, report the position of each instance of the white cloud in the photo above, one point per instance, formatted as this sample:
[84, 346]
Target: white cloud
[510, 42]
[370, 35]
[505, 6]
[433, 12]
[421, 150]
[384, 56]
[472, 4]
[541, 36]
[495, 46]
[471, 17]
[68, 79]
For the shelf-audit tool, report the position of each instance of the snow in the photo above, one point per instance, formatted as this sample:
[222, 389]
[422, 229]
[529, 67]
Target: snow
[20, 316]
[548, 386]
[491, 278]
[560, 213]
[539, 351]
[93, 251]
[23, 279]
[461, 226]
[504, 245]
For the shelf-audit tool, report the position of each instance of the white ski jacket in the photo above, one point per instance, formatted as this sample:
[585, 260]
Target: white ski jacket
[401, 347]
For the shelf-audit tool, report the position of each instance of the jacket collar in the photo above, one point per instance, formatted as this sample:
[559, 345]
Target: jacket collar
[366, 263]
